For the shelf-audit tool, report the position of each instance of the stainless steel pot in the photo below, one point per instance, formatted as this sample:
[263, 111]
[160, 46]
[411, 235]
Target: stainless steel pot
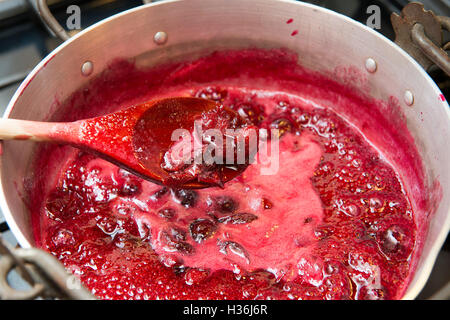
[172, 29]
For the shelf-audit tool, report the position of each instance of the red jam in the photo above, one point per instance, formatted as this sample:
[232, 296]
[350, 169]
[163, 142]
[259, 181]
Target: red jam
[197, 156]
[332, 222]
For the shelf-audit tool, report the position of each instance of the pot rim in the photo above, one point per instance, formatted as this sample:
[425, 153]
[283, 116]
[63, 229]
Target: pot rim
[410, 293]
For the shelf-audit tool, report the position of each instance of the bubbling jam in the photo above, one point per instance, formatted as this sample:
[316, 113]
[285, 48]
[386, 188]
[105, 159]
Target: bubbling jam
[331, 221]
[210, 141]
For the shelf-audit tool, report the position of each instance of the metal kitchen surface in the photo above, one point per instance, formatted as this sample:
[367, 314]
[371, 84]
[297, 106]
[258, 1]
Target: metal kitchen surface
[24, 42]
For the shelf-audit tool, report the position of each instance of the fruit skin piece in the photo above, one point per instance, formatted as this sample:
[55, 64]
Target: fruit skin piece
[363, 222]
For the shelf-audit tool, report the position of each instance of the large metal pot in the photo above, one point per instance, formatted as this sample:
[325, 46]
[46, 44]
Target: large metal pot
[327, 40]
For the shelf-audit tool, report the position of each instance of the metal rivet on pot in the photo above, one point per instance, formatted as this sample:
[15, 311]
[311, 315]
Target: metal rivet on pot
[87, 68]
[371, 65]
[160, 37]
[409, 98]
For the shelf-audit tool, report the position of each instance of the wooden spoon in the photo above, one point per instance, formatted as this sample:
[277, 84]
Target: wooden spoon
[135, 139]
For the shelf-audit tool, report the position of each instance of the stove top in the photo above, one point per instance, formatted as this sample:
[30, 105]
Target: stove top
[25, 42]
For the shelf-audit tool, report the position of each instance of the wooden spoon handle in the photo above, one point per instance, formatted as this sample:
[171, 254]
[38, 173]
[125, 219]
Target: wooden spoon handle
[12, 129]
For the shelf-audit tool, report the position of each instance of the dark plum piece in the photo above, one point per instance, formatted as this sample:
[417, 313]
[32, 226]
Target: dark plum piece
[212, 93]
[160, 193]
[195, 276]
[267, 204]
[63, 204]
[177, 234]
[131, 188]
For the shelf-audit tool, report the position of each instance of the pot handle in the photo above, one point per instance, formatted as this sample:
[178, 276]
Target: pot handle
[419, 33]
